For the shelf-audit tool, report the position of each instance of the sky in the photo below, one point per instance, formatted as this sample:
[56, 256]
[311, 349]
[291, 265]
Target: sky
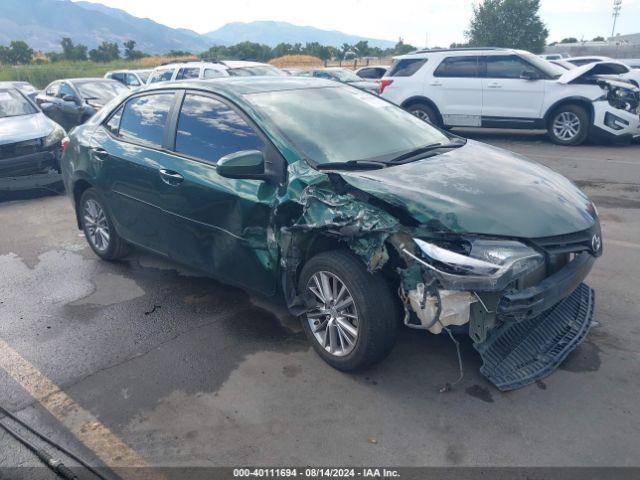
[419, 22]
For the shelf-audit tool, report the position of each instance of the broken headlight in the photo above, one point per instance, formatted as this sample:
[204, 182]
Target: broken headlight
[479, 264]
[55, 137]
[623, 99]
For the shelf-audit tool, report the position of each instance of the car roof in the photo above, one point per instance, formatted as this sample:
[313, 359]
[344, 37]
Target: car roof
[244, 63]
[85, 80]
[585, 57]
[461, 51]
[171, 66]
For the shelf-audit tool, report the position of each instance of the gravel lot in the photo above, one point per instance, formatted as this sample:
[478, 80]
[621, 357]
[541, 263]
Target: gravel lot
[186, 371]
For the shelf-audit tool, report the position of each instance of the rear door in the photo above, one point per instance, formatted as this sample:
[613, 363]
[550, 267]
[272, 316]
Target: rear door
[128, 158]
[457, 85]
[217, 224]
[508, 97]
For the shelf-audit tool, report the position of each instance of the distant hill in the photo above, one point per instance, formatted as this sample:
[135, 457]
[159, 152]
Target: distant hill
[271, 33]
[42, 23]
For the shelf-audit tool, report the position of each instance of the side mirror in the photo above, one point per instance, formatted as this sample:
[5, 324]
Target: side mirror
[247, 164]
[71, 98]
[529, 75]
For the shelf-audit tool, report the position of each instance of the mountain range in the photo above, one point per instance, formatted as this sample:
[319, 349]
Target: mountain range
[42, 23]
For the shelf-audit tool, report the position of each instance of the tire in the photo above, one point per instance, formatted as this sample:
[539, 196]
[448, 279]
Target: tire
[425, 112]
[376, 322]
[569, 125]
[95, 221]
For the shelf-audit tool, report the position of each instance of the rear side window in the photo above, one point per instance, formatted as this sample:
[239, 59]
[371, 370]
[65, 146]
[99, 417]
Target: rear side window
[161, 76]
[406, 67]
[212, 73]
[458, 67]
[208, 130]
[185, 73]
[143, 119]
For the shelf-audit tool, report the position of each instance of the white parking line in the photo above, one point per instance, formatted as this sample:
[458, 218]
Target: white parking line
[81, 423]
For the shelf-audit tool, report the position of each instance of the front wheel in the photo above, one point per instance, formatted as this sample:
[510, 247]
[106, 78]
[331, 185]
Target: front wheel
[352, 321]
[569, 125]
[98, 227]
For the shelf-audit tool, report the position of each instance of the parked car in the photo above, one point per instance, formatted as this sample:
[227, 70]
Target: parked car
[626, 72]
[73, 101]
[552, 56]
[344, 75]
[30, 144]
[374, 72]
[130, 78]
[207, 70]
[503, 88]
[354, 217]
[25, 87]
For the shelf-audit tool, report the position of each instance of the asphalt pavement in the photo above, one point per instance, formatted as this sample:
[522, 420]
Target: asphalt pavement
[143, 362]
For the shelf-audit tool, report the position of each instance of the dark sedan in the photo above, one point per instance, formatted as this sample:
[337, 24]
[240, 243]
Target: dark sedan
[73, 101]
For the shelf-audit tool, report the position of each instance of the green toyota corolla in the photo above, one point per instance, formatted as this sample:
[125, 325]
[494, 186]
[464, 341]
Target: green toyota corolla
[356, 214]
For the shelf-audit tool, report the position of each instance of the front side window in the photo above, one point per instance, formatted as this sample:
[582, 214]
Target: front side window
[458, 67]
[144, 118]
[13, 104]
[208, 130]
[161, 75]
[508, 66]
[406, 67]
[186, 73]
[212, 73]
[365, 127]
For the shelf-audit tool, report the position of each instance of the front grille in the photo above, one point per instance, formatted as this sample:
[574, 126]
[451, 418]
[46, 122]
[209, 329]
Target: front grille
[19, 149]
[575, 243]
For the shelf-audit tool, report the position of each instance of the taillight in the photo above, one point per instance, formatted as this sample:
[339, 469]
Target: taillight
[384, 83]
[64, 144]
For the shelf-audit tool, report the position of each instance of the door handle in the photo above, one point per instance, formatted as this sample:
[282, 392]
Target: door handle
[436, 84]
[494, 85]
[99, 154]
[170, 177]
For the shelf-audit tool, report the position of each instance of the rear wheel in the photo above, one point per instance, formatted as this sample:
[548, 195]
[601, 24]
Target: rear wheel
[353, 321]
[98, 227]
[569, 125]
[425, 112]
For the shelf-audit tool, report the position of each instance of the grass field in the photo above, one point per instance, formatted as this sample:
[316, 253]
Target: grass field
[40, 75]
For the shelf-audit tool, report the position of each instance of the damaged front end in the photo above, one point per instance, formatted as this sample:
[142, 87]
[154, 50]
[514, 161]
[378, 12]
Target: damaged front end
[523, 304]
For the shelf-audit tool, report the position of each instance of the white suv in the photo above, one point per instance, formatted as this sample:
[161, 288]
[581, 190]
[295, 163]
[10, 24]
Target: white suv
[204, 70]
[502, 88]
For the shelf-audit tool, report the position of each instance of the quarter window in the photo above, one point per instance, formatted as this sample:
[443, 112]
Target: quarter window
[406, 67]
[507, 66]
[144, 118]
[113, 124]
[208, 130]
[458, 67]
[52, 90]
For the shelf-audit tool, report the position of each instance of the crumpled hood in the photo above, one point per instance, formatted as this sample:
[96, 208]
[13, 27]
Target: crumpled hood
[481, 189]
[596, 68]
[24, 127]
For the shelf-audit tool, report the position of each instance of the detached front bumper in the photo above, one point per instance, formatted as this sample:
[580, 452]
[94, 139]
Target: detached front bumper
[24, 172]
[613, 124]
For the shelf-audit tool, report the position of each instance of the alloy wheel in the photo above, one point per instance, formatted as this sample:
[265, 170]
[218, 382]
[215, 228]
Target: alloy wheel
[422, 115]
[566, 126]
[96, 225]
[334, 318]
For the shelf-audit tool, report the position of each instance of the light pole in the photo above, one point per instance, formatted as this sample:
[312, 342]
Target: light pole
[617, 6]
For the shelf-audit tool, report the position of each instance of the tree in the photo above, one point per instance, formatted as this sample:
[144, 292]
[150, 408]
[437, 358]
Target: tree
[130, 52]
[106, 52]
[569, 40]
[362, 48]
[18, 52]
[402, 48]
[71, 51]
[508, 23]
[598, 39]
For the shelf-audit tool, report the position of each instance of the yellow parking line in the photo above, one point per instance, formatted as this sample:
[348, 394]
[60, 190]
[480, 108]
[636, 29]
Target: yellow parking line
[85, 426]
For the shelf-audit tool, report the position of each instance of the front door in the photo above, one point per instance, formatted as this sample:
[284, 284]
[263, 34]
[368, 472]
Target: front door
[512, 90]
[216, 224]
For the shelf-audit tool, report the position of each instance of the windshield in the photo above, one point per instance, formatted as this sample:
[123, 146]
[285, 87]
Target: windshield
[256, 71]
[144, 75]
[553, 71]
[344, 75]
[13, 104]
[102, 91]
[340, 124]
